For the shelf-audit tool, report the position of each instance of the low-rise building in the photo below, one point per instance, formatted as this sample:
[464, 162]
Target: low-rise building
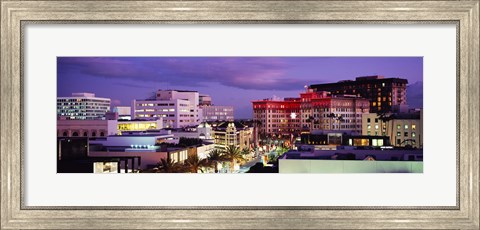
[124, 112]
[233, 134]
[403, 129]
[103, 128]
[352, 161]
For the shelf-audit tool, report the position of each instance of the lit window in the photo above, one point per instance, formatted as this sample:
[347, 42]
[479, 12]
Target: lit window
[398, 126]
[413, 134]
[369, 126]
[414, 127]
[376, 126]
[398, 134]
[406, 126]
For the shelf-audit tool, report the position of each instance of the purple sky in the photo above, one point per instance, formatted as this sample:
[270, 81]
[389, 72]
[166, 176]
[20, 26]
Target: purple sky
[229, 80]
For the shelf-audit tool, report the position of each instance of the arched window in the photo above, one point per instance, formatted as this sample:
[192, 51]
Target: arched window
[85, 134]
[94, 134]
[65, 134]
[102, 134]
[75, 134]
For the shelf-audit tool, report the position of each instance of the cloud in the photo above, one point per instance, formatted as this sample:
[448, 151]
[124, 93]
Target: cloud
[261, 73]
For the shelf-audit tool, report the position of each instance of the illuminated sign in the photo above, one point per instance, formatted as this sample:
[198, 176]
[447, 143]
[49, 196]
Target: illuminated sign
[293, 115]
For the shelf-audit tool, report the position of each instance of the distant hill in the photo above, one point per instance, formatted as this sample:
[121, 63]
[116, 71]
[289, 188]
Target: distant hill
[415, 95]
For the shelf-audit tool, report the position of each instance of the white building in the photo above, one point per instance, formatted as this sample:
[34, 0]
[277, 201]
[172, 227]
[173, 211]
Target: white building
[102, 128]
[217, 113]
[82, 106]
[177, 108]
[124, 112]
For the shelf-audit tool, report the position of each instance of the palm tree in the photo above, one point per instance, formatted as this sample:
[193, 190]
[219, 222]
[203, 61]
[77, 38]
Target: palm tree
[331, 116]
[233, 154]
[193, 163]
[214, 158]
[245, 152]
[169, 166]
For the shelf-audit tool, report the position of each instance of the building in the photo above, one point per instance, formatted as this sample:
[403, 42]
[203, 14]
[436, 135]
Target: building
[233, 134]
[217, 113]
[177, 108]
[82, 106]
[203, 131]
[322, 110]
[384, 94]
[403, 129]
[277, 116]
[124, 112]
[83, 128]
[103, 128]
[352, 161]
[318, 140]
[204, 100]
[73, 157]
[312, 111]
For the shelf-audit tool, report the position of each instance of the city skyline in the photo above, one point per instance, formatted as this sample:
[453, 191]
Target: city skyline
[228, 80]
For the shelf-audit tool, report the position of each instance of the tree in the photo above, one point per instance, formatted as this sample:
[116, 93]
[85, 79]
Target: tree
[233, 154]
[214, 158]
[169, 166]
[245, 152]
[193, 163]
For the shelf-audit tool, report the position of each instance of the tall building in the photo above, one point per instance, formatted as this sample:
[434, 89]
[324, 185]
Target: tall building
[276, 116]
[323, 111]
[312, 111]
[384, 94]
[403, 129]
[217, 113]
[82, 106]
[177, 108]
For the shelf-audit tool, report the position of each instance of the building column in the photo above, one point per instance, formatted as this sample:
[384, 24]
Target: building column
[133, 164]
[126, 165]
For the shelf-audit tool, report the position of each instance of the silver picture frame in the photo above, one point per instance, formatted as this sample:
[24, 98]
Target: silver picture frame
[16, 14]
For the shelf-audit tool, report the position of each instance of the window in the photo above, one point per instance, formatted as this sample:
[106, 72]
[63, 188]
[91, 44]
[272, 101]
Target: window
[368, 119]
[65, 134]
[398, 141]
[413, 134]
[406, 126]
[405, 134]
[369, 126]
[398, 126]
[75, 134]
[376, 126]
[85, 134]
[398, 134]
[414, 127]
[376, 120]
